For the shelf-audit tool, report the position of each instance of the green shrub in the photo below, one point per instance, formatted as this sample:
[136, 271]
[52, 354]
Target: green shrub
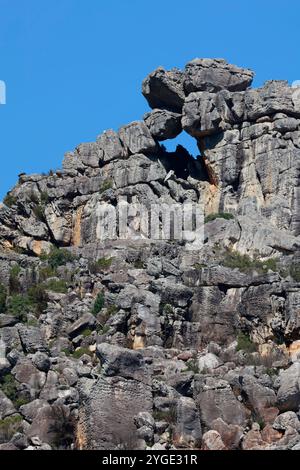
[58, 257]
[3, 296]
[37, 297]
[102, 330]
[80, 352]
[233, 259]
[294, 272]
[112, 310]
[10, 426]
[107, 184]
[139, 264]
[39, 212]
[57, 285]
[8, 386]
[45, 272]
[9, 200]
[168, 309]
[199, 266]
[44, 197]
[87, 332]
[100, 265]
[170, 416]
[244, 343]
[220, 215]
[192, 366]
[19, 306]
[14, 283]
[99, 303]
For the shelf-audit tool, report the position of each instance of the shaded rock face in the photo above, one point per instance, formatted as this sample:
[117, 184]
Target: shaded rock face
[112, 343]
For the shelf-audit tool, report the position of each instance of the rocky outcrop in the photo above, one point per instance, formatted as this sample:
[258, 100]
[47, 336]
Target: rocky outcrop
[114, 342]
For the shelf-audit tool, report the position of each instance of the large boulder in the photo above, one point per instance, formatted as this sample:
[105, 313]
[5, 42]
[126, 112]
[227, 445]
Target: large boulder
[137, 138]
[163, 124]
[213, 75]
[164, 89]
[288, 396]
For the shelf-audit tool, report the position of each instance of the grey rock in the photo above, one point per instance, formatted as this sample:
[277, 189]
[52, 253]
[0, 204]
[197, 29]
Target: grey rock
[6, 406]
[137, 138]
[216, 400]
[288, 397]
[163, 124]
[286, 420]
[41, 361]
[117, 361]
[213, 75]
[111, 147]
[31, 339]
[164, 89]
[187, 432]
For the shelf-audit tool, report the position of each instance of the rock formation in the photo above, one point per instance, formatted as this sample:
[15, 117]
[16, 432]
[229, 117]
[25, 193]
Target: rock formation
[135, 343]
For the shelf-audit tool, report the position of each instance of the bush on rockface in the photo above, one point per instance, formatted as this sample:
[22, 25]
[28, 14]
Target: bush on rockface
[220, 215]
[99, 303]
[245, 344]
[9, 200]
[3, 297]
[244, 263]
[19, 306]
[62, 427]
[107, 184]
[10, 426]
[100, 265]
[58, 257]
[57, 285]
[14, 282]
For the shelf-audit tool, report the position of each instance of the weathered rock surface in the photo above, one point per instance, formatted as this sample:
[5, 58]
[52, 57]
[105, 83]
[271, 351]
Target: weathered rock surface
[125, 342]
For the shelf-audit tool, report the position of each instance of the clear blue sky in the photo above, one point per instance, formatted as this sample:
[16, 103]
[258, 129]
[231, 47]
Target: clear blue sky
[74, 68]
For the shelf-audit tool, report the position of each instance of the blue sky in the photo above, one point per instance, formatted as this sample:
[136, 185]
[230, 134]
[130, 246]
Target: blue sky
[74, 68]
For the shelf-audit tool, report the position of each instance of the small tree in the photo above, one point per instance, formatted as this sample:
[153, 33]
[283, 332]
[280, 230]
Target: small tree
[99, 303]
[3, 296]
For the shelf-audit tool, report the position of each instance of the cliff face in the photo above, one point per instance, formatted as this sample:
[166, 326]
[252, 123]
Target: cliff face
[111, 342]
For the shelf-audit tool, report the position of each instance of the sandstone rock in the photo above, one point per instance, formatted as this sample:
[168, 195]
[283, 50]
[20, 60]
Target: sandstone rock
[212, 441]
[110, 146]
[164, 89]
[288, 397]
[122, 362]
[216, 400]
[208, 362]
[285, 420]
[6, 406]
[137, 138]
[163, 124]
[213, 75]
[187, 432]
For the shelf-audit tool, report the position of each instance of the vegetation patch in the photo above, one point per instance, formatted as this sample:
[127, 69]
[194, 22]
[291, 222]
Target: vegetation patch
[170, 415]
[219, 215]
[3, 297]
[245, 344]
[100, 265]
[57, 285]
[244, 263]
[99, 303]
[9, 200]
[10, 426]
[58, 257]
[14, 283]
[107, 184]
[80, 352]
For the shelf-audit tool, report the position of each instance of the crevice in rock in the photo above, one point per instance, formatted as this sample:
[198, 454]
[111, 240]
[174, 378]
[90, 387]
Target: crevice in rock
[182, 163]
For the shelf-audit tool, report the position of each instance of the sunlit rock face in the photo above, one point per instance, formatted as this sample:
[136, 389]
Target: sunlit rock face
[129, 336]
